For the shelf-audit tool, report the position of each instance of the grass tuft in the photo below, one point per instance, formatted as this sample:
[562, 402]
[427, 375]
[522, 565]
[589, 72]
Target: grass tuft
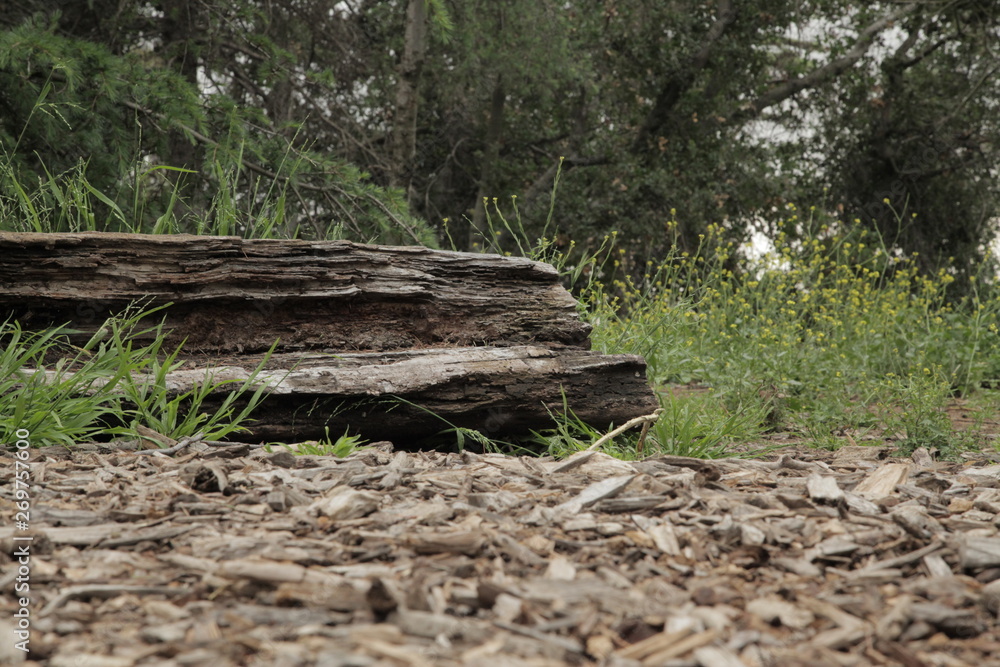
[110, 386]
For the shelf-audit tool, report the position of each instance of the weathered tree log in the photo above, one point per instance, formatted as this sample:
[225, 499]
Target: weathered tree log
[498, 391]
[238, 295]
[482, 341]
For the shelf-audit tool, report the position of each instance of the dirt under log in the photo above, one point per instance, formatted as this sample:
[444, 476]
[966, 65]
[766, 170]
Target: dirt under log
[478, 341]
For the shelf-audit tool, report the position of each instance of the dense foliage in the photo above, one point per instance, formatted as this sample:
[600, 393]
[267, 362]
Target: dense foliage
[124, 100]
[383, 120]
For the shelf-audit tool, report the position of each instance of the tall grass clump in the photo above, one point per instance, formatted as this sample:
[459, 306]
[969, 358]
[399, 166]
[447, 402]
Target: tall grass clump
[831, 331]
[55, 405]
[68, 202]
[111, 385]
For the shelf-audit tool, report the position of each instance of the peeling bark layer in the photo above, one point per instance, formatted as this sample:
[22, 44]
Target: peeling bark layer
[237, 295]
[497, 391]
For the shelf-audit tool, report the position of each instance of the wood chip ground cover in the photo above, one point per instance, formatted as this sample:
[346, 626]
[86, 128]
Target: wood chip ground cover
[234, 556]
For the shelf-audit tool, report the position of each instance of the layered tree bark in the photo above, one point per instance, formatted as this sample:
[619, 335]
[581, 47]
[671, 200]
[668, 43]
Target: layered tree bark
[232, 295]
[404, 396]
[394, 342]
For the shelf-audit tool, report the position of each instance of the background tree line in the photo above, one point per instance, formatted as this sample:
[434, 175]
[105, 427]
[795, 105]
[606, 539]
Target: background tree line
[379, 120]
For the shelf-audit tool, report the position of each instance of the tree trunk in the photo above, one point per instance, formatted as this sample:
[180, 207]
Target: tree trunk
[181, 28]
[491, 155]
[180, 32]
[404, 130]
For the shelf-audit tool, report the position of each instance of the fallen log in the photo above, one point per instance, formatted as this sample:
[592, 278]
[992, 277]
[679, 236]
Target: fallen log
[393, 342]
[239, 295]
[403, 396]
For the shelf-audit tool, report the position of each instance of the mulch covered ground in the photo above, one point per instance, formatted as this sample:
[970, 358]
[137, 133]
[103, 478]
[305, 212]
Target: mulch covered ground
[232, 556]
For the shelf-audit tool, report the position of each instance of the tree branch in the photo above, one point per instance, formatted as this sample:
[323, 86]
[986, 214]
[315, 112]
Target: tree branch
[403, 139]
[374, 158]
[544, 182]
[671, 92]
[789, 88]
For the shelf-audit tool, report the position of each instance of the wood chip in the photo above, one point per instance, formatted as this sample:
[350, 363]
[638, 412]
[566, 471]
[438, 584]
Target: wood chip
[881, 482]
[978, 553]
[823, 489]
[425, 558]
